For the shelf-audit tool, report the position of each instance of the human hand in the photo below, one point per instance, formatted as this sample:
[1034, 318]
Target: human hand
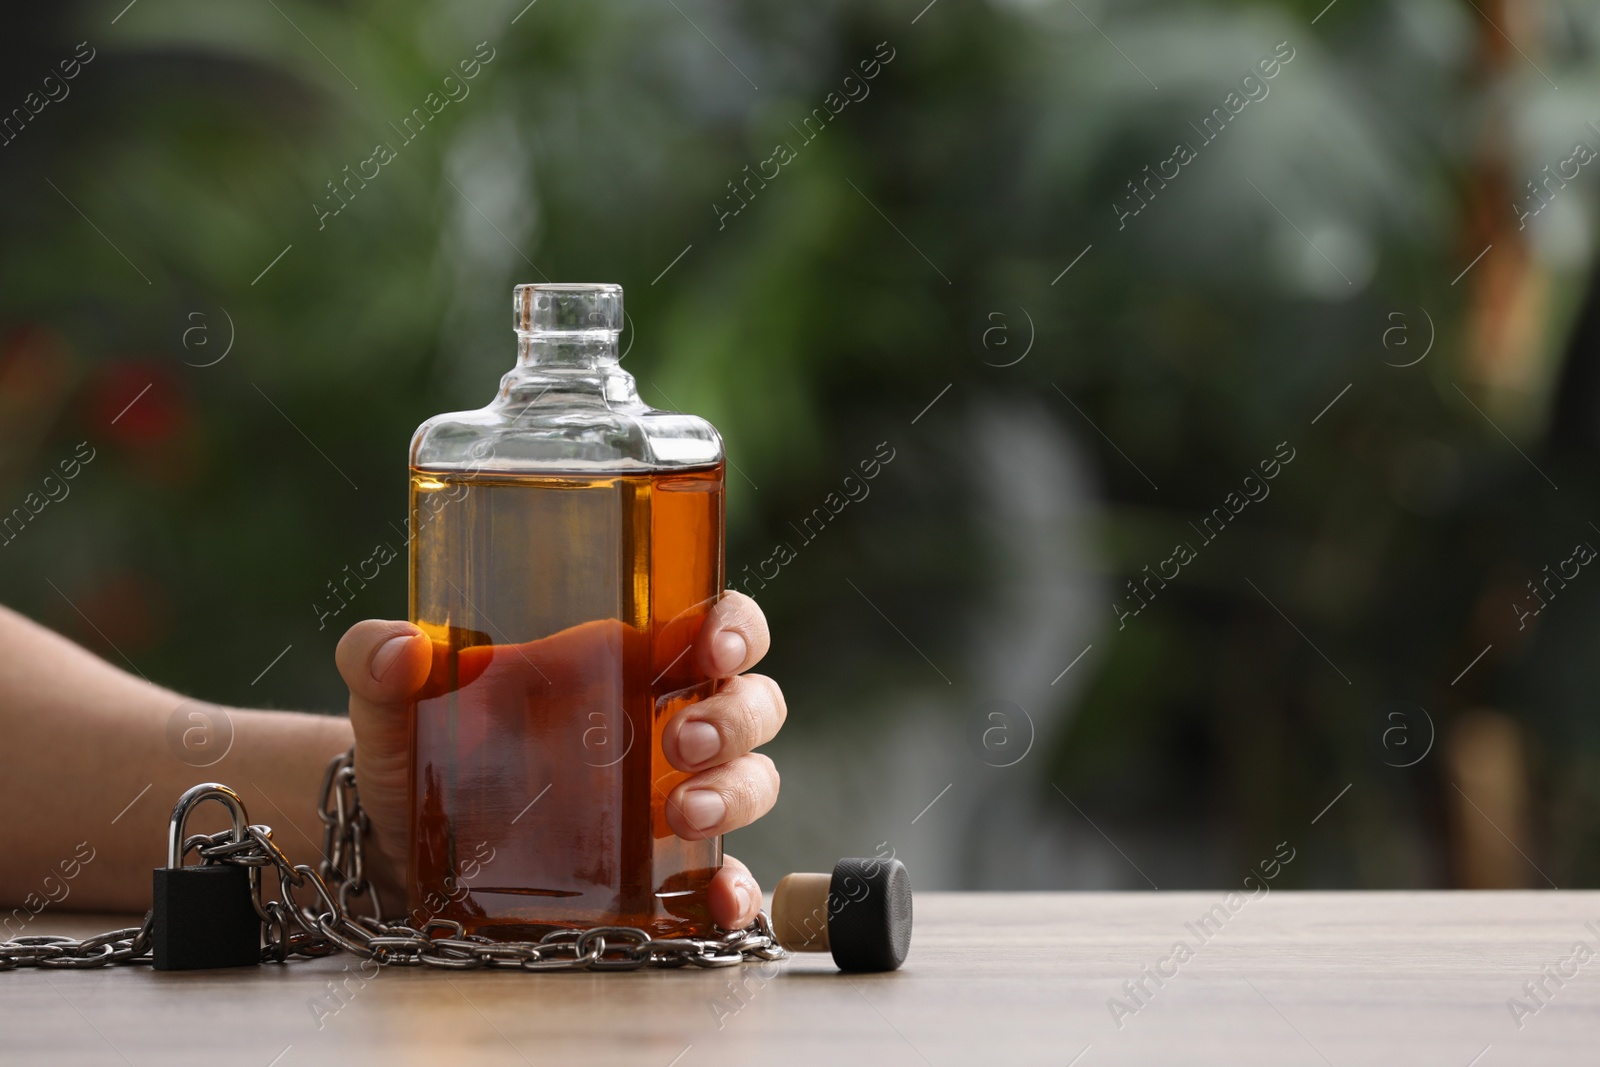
[386, 665]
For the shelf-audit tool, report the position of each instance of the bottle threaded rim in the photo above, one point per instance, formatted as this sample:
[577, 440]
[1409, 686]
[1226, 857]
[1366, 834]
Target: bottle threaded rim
[567, 307]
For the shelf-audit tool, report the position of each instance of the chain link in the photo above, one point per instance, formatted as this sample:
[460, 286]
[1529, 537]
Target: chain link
[318, 917]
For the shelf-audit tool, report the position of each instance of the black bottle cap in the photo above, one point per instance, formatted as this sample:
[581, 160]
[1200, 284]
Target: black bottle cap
[869, 908]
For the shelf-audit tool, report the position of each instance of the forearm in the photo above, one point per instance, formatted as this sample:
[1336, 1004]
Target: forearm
[90, 771]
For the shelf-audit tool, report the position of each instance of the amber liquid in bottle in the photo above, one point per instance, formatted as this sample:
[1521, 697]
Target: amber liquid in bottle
[561, 610]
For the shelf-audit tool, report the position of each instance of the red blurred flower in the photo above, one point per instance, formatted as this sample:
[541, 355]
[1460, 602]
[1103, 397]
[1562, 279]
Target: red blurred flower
[139, 404]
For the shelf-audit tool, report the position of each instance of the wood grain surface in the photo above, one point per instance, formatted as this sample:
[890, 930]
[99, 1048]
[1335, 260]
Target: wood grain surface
[1291, 978]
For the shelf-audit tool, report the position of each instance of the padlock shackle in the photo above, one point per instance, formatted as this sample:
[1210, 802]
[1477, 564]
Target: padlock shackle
[192, 798]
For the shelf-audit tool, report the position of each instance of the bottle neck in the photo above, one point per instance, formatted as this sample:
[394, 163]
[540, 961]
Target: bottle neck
[572, 349]
[574, 367]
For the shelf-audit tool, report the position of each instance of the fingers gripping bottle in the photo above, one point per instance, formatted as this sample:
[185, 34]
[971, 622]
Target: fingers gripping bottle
[566, 545]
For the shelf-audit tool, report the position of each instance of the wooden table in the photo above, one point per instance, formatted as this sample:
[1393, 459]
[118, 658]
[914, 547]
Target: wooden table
[1292, 978]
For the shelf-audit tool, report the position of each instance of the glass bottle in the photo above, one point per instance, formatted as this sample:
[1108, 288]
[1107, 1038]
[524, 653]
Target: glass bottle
[566, 545]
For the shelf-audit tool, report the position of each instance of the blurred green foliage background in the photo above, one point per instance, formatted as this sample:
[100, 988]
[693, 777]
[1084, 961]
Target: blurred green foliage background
[164, 211]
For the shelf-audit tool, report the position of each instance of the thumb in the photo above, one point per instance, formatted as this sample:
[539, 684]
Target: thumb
[385, 665]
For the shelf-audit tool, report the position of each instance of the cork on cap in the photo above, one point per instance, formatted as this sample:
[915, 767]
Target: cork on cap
[861, 913]
[800, 912]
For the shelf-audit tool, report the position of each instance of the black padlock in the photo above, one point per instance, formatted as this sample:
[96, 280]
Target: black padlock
[204, 916]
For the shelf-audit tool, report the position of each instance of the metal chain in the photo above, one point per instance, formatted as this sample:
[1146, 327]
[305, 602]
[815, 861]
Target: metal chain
[328, 922]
